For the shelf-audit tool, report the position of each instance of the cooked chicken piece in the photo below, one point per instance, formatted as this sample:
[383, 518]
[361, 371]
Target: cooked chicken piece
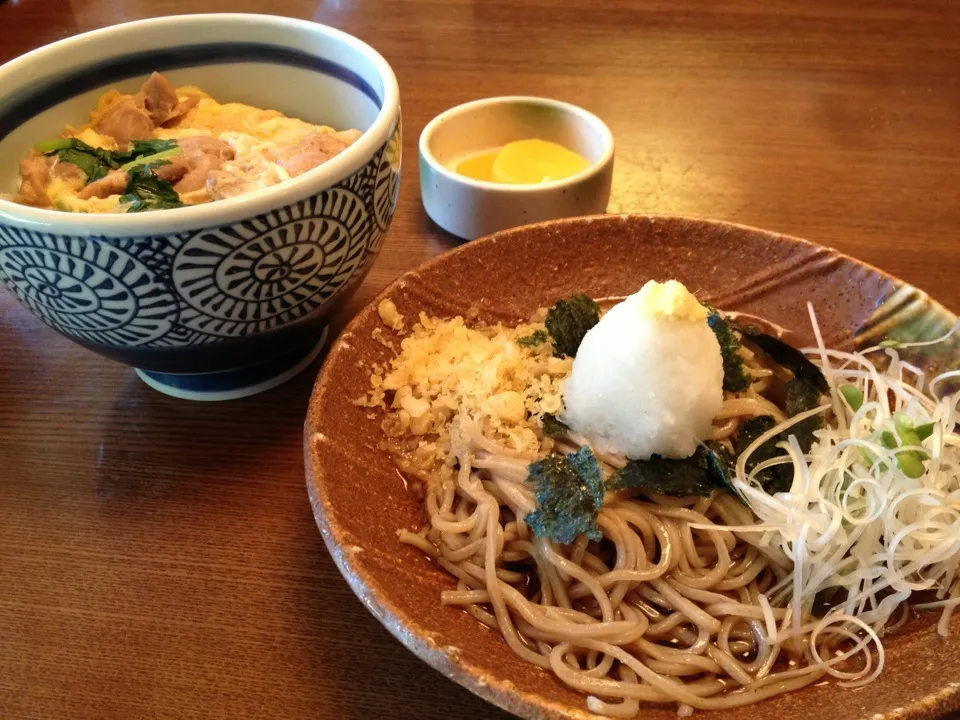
[177, 114]
[114, 183]
[349, 136]
[124, 121]
[201, 165]
[70, 174]
[222, 184]
[34, 175]
[208, 145]
[314, 150]
[201, 153]
[159, 98]
[302, 162]
[330, 144]
[178, 167]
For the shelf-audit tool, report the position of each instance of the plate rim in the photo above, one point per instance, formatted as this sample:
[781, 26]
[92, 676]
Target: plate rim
[498, 690]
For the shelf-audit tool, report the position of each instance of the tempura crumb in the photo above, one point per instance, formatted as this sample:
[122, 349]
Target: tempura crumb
[448, 373]
[378, 335]
[389, 315]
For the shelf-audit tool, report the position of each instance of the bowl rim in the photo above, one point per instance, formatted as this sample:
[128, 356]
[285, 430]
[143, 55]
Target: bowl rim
[595, 168]
[231, 210]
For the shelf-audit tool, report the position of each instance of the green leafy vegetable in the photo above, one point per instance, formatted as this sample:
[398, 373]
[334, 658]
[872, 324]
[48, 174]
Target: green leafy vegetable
[700, 474]
[903, 424]
[48, 147]
[552, 426]
[143, 148]
[569, 320]
[735, 376]
[569, 490]
[871, 458]
[145, 191]
[94, 162]
[789, 357]
[853, 396]
[910, 464]
[149, 159]
[97, 162]
[537, 337]
[910, 461]
[91, 166]
[924, 431]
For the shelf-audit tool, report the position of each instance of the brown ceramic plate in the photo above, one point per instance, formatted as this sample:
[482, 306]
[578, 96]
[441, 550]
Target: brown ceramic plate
[360, 501]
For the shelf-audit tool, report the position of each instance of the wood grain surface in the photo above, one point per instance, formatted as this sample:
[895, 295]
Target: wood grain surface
[158, 559]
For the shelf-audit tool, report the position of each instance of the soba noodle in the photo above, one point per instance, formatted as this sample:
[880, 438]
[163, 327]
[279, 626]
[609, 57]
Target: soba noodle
[657, 612]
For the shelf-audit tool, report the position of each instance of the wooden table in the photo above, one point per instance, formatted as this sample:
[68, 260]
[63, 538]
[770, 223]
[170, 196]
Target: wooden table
[158, 559]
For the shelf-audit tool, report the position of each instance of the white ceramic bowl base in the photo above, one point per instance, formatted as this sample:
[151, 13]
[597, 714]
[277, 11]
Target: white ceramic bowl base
[234, 384]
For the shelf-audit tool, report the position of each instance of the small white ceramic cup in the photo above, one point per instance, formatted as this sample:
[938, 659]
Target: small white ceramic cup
[473, 208]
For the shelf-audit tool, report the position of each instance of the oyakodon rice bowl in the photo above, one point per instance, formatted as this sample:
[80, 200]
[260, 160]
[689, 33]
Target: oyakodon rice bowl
[213, 300]
[590, 540]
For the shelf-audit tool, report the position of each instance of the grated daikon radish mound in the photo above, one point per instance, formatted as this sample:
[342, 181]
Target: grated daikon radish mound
[648, 378]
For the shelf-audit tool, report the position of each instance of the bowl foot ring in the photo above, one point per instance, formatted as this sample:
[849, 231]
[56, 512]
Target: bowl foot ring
[237, 383]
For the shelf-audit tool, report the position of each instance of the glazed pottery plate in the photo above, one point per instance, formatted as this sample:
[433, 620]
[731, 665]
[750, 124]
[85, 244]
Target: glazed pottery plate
[360, 500]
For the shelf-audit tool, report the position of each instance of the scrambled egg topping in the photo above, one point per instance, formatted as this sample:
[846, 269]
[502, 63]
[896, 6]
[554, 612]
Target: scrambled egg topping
[260, 148]
[63, 195]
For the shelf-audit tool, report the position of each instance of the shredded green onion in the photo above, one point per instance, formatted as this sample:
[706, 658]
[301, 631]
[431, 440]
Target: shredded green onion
[873, 513]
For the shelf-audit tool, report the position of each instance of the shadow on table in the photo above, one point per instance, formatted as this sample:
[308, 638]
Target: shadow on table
[374, 675]
[150, 442]
[160, 458]
[437, 239]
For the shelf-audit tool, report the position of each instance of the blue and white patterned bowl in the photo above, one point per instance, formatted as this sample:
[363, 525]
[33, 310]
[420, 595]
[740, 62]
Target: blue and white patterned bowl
[230, 298]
